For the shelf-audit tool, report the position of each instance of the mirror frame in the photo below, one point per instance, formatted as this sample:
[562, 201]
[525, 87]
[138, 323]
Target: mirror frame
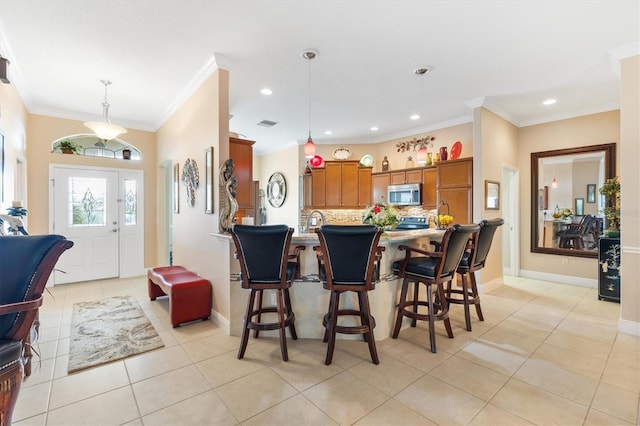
[610, 172]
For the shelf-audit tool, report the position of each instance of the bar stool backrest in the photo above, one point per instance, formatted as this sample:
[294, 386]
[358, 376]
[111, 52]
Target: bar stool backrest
[349, 253]
[487, 231]
[454, 243]
[263, 252]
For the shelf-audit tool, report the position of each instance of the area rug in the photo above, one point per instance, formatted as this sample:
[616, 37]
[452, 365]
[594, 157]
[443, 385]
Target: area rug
[109, 330]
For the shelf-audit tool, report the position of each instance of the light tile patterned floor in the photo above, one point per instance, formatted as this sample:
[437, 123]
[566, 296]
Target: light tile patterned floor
[547, 354]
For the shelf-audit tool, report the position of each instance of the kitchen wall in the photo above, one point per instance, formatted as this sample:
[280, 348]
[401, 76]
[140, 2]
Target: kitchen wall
[283, 161]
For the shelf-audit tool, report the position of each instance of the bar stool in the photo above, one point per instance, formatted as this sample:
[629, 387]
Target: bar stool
[266, 264]
[432, 268]
[347, 255]
[473, 260]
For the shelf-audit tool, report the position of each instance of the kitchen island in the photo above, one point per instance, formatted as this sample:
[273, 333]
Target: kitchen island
[310, 300]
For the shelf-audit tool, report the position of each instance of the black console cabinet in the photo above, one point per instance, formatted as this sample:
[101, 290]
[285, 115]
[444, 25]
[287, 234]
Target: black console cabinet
[609, 254]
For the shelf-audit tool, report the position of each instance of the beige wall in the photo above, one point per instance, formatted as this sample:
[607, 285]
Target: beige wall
[201, 122]
[275, 162]
[13, 124]
[581, 131]
[629, 154]
[495, 146]
[42, 131]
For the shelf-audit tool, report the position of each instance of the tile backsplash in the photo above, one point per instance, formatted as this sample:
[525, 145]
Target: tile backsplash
[354, 217]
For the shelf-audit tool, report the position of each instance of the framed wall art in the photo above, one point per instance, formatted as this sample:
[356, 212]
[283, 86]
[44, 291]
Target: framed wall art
[491, 195]
[591, 193]
[579, 206]
[208, 180]
[176, 188]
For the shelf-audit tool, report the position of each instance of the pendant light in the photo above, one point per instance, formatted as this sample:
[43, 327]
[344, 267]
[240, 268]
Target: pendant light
[554, 183]
[421, 155]
[309, 146]
[105, 130]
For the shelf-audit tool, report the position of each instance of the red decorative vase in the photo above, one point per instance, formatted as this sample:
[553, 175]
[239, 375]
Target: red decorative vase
[443, 153]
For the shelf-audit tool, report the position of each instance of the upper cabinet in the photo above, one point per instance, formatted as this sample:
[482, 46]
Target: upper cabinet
[455, 187]
[340, 184]
[241, 152]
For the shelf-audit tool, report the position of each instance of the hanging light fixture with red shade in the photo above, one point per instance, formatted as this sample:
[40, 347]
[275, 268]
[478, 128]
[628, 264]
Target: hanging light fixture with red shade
[309, 146]
[421, 153]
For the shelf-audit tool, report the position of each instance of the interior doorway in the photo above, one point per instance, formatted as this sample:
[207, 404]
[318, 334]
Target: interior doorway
[510, 213]
[102, 211]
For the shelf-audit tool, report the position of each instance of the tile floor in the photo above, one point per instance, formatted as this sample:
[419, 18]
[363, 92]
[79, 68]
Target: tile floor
[547, 354]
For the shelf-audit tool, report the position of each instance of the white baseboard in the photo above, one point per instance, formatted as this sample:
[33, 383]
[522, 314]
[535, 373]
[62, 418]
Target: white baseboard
[629, 327]
[556, 278]
[221, 322]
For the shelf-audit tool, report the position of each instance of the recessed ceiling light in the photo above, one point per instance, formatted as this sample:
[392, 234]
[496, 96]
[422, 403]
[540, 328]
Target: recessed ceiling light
[549, 102]
[374, 129]
[266, 91]
[328, 132]
[415, 117]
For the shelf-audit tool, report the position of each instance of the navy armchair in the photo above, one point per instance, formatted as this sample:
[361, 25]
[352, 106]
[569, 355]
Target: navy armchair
[26, 263]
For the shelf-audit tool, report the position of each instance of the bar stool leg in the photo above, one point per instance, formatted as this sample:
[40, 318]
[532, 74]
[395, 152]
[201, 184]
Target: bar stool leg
[444, 305]
[401, 305]
[364, 308]
[432, 328]
[476, 296]
[333, 322]
[289, 312]
[247, 320]
[282, 330]
[416, 292]
[465, 301]
[259, 310]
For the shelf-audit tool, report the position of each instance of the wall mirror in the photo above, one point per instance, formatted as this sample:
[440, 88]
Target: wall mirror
[558, 179]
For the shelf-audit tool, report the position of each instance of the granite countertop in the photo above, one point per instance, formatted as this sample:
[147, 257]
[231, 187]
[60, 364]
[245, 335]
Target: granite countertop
[394, 236]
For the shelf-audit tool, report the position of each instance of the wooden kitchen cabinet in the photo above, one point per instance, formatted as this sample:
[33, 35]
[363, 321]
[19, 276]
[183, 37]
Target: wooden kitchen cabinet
[405, 176]
[429, 188]
[339, 184]
[379, 183]
[455, 186]
[241, 151]
[364, 186]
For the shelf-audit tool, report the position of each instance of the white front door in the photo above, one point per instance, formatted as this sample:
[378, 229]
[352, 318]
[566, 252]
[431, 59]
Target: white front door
[101, 211]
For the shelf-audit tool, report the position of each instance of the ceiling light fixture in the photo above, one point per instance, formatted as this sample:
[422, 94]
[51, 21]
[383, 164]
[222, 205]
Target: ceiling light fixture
[554, 183]
[309, 146]
[421, 155]
[266, 91]
[374, 129]
[105, 130]
[549, 102]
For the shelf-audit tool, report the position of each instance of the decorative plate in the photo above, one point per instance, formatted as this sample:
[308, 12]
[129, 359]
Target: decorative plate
[456, 150]
[316, 161]
[366, 160]
[276, 189]
[342, 153]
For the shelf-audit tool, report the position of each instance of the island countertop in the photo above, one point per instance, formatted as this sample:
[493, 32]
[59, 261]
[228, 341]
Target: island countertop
[393, 236]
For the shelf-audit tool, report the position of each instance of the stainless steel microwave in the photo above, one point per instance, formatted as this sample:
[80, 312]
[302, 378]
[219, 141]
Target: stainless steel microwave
[404, 195]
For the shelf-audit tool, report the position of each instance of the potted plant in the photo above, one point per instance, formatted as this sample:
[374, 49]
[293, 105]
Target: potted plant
[69, 147]
[611, 192]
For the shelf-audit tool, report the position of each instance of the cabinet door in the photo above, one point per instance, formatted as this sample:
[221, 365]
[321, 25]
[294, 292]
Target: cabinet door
[307, 181]
[364, 187]
[318, 188]
[349, 187]
[397, 178]
[429, 190]
[241, 151]
[455, 173]
[333, 184]
[460, 201]
[413, 176]
[380, 182]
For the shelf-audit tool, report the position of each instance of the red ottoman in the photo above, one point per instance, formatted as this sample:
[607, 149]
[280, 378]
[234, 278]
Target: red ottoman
[189, 294]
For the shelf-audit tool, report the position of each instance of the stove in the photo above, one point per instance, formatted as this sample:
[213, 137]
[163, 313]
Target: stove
[411, 223]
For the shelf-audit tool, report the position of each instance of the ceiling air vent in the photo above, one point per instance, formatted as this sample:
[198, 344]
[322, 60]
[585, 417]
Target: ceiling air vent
[267, 123]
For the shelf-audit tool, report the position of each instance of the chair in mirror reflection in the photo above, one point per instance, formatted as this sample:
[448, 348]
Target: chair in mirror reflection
[430, 268]
[347, 256]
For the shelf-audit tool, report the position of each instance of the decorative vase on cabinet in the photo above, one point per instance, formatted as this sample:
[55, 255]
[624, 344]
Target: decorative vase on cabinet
[443, 153]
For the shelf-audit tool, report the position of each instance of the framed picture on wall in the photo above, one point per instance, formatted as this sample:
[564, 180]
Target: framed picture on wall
[208, 180]
[579, 206]
[492, 195]
[176, 188]
[591, 193]
[1, 167]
